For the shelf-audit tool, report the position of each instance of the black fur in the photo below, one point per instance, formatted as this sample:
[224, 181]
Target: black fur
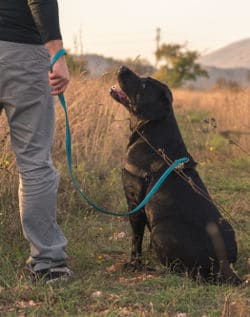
[188, 232]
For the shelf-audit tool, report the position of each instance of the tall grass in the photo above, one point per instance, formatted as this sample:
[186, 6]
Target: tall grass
[230, 109]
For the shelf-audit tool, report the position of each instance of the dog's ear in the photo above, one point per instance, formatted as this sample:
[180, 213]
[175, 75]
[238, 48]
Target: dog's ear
[157, 101]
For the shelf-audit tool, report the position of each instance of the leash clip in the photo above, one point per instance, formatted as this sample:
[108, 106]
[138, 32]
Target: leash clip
[181, 165]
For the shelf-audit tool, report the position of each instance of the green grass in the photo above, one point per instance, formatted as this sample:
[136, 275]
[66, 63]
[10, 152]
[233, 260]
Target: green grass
[100, 286]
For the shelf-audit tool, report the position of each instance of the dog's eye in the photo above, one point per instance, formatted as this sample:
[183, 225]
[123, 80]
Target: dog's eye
[143, 85]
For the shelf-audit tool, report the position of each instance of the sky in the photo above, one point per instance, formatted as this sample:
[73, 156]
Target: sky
[127, 28]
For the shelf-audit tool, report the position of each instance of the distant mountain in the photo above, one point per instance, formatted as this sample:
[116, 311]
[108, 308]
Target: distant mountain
[98, 65]
[230, 64]
[235, 55]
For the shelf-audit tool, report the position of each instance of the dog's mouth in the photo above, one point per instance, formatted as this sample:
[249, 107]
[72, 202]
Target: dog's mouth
[119, 95]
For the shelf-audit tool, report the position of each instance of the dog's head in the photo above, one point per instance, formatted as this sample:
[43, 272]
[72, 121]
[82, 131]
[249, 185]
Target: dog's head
[144, 97]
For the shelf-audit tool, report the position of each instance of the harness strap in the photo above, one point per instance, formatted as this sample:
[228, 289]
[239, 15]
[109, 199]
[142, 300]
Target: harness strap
[69, 160]
[139, 172]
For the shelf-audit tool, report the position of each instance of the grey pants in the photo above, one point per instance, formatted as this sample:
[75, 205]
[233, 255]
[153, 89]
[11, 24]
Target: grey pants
[25, 94]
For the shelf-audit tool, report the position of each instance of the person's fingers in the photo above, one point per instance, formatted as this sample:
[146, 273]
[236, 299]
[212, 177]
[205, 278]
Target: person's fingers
[59, 90]
[57, 83]
[54, 75]
[59, 77]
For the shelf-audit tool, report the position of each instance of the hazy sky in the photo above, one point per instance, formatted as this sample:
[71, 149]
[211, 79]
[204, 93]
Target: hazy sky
[127, 28]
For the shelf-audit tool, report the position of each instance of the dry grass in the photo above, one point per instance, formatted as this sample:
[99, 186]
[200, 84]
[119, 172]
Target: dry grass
[98, 124]
[231, 109]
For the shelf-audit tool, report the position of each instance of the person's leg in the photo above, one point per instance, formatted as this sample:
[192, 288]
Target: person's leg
[30, 110]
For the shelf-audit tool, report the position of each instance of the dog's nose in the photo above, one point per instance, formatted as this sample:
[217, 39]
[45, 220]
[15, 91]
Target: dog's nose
[122, 69]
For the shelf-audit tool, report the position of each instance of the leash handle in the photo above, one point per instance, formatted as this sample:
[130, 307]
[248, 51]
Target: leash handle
[55, 58]
[154, 189]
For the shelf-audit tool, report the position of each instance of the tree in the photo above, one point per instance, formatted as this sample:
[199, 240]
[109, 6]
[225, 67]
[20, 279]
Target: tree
[180, 65]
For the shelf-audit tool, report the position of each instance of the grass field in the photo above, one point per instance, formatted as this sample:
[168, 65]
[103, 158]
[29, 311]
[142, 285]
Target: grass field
[216, 128]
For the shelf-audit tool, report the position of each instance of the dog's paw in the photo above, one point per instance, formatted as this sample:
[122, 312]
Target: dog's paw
[232, 279]
[138, 266]
[133, 266]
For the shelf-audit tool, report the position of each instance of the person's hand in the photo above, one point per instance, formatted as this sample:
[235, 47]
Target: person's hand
[59, 77]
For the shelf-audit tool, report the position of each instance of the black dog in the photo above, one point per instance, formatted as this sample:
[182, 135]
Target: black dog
[187, 231]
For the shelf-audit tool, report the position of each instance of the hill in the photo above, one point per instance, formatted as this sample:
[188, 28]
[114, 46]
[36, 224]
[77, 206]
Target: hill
[98, 65]
[234, 55]
[230, 64]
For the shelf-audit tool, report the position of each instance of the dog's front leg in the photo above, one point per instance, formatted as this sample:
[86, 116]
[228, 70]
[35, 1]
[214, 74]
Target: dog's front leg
[134, 188]
[138, 222]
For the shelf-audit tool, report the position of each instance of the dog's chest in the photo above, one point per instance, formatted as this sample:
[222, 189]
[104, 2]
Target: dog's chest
[139, 154]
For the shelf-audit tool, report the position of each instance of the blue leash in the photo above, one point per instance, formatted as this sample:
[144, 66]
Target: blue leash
[69, 159]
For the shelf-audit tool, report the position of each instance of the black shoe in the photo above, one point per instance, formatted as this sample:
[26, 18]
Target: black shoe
[54, 274]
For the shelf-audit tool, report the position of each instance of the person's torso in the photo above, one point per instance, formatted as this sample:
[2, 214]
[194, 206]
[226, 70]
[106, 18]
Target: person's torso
[17, 24]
